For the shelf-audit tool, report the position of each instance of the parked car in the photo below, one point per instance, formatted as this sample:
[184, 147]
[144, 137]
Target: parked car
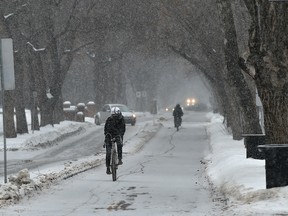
[101, 116]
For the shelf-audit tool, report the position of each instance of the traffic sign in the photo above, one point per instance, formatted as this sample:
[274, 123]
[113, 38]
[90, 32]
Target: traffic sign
[7, 64]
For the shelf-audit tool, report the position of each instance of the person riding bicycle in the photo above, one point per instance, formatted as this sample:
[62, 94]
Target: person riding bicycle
[114, 128]
[177, 113]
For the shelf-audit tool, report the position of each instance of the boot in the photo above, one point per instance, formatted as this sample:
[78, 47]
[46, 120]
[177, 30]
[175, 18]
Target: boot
[120, 162]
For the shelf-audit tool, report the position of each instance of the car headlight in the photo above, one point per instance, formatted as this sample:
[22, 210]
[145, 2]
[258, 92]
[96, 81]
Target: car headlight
[134, 116]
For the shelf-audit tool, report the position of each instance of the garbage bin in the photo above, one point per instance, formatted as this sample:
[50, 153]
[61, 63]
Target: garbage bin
[251, 142]
[70, 113]
[276, 164]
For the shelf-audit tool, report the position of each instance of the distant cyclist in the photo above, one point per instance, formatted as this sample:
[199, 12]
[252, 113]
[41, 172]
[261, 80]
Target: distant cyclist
[114, 128]
[178, 113]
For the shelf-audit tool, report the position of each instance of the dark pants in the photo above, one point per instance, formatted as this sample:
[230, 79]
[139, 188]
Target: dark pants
[179, 119]
[109, 147]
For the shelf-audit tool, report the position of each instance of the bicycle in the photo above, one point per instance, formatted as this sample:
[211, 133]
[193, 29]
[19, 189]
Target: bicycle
[113, 158]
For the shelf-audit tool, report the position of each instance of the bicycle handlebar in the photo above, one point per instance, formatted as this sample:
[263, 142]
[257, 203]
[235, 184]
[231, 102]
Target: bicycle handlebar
[112, 139]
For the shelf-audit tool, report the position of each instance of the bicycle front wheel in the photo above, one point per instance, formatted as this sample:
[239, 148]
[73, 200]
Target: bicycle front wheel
[114, 165]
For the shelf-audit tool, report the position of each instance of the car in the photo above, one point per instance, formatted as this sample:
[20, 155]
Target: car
[197, 107]
[101, 116]
[169, 108]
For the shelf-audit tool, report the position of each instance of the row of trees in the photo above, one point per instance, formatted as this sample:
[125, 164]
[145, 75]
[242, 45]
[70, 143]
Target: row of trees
[46, 35]
[126, 40]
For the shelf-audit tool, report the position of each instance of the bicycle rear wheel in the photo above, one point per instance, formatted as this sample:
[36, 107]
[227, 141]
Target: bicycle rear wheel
[177, 123]
[114, 165]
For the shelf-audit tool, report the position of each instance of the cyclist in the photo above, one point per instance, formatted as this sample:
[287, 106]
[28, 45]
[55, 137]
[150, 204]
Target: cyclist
[177, 113]
[115, 126]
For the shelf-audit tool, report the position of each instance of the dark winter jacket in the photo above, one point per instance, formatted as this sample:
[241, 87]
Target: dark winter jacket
[178, 112]
[115, 126]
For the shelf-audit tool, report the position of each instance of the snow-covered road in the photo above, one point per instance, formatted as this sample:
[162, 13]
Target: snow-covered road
[165, 178]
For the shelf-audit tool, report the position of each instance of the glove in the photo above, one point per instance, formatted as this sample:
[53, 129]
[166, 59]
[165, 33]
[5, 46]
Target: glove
[104, 145]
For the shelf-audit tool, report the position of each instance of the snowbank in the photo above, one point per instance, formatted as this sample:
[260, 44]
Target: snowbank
[241, 180]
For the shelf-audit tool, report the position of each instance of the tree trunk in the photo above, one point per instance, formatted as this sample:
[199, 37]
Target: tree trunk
[238, 85]
[21, 122]
[268, 39]
[34, 119]
[46, 115]
[37, 84]
[34, 110]
[9, 114]
[58, 111]
[275, 105]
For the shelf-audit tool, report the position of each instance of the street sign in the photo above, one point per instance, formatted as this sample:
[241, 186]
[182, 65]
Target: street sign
[7, 64]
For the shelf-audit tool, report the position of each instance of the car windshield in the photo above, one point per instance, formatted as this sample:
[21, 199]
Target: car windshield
[123, 108]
